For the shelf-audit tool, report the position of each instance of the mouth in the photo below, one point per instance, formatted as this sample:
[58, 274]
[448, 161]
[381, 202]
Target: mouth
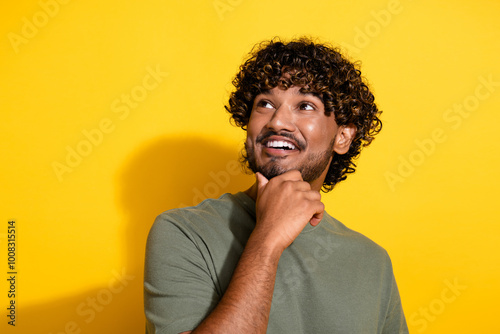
[280, 146]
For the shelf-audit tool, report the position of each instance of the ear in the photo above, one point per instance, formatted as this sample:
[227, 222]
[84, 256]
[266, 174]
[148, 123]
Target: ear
[344, 138]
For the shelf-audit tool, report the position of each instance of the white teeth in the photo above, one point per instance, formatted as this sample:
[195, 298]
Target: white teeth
[280, 144]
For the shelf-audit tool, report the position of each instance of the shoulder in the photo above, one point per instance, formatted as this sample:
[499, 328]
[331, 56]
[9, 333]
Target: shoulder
[206, 210]
[354, 243]
[209, 218]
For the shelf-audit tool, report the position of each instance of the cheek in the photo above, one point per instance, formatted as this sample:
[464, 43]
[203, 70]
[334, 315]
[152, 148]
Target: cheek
[249, 142]
[329, 126]
[255, 126]
[318, 131]
[252, 133]
[311, 128]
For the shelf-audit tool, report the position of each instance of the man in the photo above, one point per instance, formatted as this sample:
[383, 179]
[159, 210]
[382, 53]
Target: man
[270, 259]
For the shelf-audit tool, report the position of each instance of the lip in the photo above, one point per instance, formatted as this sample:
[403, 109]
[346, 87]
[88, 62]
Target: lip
[270, 151]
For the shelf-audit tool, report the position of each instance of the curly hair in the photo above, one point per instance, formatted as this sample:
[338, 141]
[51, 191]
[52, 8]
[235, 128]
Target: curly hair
[321, 70]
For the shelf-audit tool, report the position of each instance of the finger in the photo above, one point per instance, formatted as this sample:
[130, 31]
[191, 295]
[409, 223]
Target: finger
[296, 185]
[291, 175]
[318, 216]
[312, 195]
[316, 219]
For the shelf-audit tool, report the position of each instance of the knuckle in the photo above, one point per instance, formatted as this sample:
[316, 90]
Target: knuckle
[287, 184]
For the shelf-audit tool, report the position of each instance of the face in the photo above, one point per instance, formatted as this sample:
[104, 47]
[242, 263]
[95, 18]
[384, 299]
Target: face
[289, 130]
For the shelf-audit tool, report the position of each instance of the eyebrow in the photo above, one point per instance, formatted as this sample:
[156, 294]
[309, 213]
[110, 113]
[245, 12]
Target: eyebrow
[297, 92]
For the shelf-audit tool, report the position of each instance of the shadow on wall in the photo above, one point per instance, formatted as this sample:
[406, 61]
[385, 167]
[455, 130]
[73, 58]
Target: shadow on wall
[163, 174]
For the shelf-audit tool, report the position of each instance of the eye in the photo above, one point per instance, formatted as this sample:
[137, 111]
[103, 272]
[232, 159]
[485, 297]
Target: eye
[307, 106]
[264, 104]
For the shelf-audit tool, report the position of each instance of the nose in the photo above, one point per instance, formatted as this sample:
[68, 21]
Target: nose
[282, 119]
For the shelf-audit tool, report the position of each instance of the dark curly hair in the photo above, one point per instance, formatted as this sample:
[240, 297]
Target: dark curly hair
[319, 69]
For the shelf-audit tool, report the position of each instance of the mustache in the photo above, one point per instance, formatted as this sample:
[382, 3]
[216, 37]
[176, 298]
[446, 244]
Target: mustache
[263, 136]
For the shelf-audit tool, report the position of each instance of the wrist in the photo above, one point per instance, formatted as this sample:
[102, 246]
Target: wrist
[266, 247]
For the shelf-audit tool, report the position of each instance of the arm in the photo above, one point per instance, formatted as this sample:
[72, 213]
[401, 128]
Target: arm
[284, 206]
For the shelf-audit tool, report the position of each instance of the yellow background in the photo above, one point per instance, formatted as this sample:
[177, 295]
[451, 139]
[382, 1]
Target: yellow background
[80, 230]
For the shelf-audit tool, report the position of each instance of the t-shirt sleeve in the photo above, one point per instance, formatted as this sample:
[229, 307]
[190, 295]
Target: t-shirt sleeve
[395, 322]
[178, 289]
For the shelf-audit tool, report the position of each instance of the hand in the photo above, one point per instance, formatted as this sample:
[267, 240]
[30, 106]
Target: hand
[284, 206]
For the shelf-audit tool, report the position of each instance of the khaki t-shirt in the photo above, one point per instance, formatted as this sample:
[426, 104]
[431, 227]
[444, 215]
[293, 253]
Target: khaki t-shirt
[329, 280]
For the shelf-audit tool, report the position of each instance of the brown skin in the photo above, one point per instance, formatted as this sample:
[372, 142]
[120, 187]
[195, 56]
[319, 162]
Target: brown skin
[284, 205]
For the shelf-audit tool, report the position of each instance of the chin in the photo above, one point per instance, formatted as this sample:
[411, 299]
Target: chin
[271, 170]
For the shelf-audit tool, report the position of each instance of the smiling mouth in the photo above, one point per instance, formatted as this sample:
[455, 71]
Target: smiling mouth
[280, 145]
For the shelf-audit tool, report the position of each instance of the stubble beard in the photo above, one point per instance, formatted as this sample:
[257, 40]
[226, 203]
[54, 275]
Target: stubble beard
[311, 169]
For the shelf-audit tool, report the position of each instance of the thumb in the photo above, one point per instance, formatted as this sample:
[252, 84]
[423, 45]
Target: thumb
[261, 181]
